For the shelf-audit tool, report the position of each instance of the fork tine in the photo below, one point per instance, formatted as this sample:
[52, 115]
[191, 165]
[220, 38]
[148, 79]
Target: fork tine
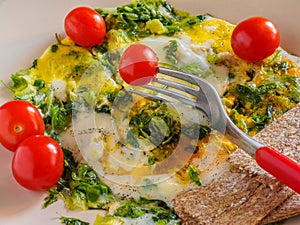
[180, 86]
[148, 95]
[178, 74]
[200, 100]
[172, 94]
[196, 92]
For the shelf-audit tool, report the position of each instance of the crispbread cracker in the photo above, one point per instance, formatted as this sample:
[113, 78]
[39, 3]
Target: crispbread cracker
[204, 206]
[289, 208]
[284, 135]
[267, 201]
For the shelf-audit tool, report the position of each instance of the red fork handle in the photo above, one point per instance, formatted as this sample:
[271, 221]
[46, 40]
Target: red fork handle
[280, 166]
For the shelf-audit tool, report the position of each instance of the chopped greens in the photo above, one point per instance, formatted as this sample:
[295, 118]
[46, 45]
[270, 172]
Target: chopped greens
[129, 209]
[108, 220]
[135, 18]
[57, 114]
[155, 122]
[192, 68]
[171, 51]
[144, 18]
[80, 187]
[160, 211]
[72, 221]
[194, 173]
[256, 105]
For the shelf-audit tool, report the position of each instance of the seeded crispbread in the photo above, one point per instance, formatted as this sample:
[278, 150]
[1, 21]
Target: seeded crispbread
[246, 194]
[284, 135]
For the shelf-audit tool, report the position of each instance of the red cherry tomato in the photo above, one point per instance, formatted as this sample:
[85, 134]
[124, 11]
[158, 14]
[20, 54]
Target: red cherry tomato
[38, 163]
[138, 65]
[19, 120]
[85, 26]
[255, 39]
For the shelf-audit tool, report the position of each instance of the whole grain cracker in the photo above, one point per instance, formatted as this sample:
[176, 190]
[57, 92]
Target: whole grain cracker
[285, 132]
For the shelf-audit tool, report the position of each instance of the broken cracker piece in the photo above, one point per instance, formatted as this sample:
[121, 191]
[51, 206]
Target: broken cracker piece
[229, 200]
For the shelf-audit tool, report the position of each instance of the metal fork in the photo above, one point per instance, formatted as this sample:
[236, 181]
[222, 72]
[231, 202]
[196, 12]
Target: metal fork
[207, 100]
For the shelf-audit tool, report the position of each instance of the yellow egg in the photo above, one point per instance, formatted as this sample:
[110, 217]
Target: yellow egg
[214, 32]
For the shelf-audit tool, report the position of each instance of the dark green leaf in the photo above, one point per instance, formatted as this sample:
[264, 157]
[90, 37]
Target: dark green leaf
[40, 84]
[50, 198]
[72, 221]
[129, 210]
[194, 173]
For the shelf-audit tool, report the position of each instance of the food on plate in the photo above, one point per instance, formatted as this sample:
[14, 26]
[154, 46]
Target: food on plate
[38, 163]
[138, 65]
[131, 156]
[38, 160]
[255, 39]
[244, 192]
[85, 26]
[19, 120]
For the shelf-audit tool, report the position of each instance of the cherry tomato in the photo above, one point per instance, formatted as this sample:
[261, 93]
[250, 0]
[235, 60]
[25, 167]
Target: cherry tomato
[138, 65]
[38, 163]
[85, 26]
[19, 120]
[255, 39]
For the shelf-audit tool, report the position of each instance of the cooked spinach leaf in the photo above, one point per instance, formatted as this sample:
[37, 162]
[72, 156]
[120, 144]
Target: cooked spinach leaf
[160, 211]
[80, 187]
[72, 221]
[194, 174]
[143, 18]
[256, 105]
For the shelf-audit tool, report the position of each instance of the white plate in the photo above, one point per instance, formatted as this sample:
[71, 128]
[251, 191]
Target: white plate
[28, 27]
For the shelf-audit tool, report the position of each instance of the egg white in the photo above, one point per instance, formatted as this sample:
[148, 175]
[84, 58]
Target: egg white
[101, 143]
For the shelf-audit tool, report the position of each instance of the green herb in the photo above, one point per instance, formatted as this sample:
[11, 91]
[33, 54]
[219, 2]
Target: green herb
[108, 220]
[40, 84]
[72, 221]
[264, 102]
[131, 137]
[262, 119]
[54, 48]
[283, 66]
[133, 17]
[80, 187]
[196, 131]
[160, 211]
[143, 18]
[151, 160]
[247, 93]
[171, 51]
[104, 105]
[156, 123]
[129, 209]
[60, 116]
[231, 76]
[19, 81]
[194, 173]
[51, 197]
[34, 63]
[192, 68]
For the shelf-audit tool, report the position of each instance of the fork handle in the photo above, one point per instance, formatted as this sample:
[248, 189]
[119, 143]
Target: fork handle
[280, 166]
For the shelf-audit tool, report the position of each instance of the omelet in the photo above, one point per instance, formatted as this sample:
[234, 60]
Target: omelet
[140, 147]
